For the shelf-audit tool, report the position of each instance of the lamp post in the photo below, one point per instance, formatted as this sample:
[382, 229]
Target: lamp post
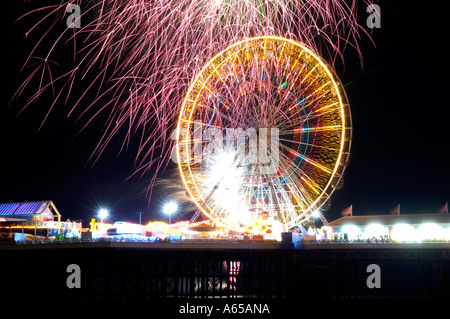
[140, 217]
[169, 209]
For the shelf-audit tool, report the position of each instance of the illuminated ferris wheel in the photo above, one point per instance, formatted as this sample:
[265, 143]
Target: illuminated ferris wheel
[264, 132]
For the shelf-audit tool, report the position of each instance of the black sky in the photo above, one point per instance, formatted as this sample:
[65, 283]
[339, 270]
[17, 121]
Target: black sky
[400, 110]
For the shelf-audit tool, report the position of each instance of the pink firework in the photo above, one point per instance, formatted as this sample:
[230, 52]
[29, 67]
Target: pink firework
[140, 55]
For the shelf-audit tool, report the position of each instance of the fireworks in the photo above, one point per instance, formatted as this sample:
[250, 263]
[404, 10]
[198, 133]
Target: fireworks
[141, 55]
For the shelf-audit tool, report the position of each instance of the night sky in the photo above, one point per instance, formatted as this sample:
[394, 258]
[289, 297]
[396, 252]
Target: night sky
[400, 149]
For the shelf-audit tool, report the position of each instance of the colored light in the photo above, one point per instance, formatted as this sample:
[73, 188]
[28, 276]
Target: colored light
[8, 208]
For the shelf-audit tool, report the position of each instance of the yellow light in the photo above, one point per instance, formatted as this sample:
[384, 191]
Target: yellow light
[404, 232]
[430, 231]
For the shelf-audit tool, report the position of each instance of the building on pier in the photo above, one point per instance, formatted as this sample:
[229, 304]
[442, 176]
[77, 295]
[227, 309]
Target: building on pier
[37, 219]
[403, 228]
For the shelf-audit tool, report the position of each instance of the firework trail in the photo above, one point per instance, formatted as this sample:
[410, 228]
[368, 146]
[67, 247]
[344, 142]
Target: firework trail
[140, 56]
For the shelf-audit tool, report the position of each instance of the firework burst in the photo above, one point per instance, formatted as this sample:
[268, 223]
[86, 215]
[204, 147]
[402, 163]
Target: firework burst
[140, 56]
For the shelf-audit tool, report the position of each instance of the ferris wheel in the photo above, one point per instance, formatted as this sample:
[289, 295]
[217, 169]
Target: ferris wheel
[264, 131]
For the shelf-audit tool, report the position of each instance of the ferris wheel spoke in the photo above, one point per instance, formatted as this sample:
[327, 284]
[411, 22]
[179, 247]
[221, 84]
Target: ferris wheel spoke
[311, 145]
[297, 176]
[306, 159]
[299, 193]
